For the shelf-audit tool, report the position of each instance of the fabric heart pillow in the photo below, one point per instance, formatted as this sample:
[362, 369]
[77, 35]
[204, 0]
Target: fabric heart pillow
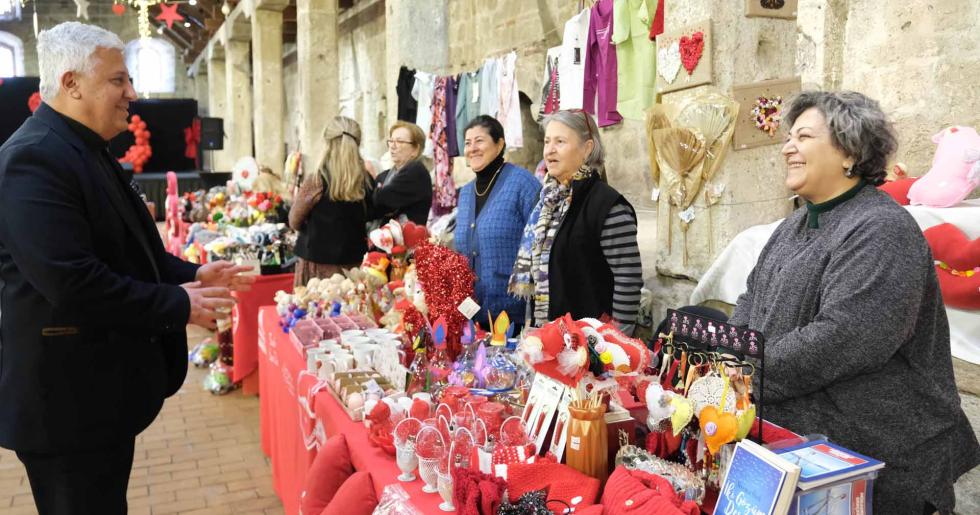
[955, 169]
[959, 277]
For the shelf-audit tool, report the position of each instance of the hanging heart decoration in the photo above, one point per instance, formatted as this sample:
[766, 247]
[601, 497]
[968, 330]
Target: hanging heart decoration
[691, 48]
[767, 114]
[717, 427]
[682, 415]
[118, 9]
[669, 61]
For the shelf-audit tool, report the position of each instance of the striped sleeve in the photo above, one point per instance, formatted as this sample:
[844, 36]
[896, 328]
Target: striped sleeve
[618, 241]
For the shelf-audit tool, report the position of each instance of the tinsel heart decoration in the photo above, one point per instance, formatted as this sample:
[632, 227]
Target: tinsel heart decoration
[669, 61]
[691, 49]
[717, 427]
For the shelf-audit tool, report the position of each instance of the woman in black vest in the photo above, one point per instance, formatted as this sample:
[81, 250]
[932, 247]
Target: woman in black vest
[331, 209]
[579, 253]
[406, 188]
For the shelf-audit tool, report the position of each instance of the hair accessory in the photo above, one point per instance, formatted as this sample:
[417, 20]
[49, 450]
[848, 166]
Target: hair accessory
[356, 140]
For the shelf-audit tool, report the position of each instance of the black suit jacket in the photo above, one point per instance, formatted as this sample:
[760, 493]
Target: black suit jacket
[92, 320]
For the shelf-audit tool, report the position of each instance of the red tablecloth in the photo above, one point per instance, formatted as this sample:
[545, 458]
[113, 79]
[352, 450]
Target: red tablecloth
[279, 420]
[280, 362]
[245, 316]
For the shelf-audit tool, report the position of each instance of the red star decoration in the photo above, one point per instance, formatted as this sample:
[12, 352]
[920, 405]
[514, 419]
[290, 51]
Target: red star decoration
[169, 14]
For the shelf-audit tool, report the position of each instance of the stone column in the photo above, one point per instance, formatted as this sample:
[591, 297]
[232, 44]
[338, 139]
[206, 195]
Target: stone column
[220, 160]
[201, 91]
[238, 115]
[318, 72]
[267, 69]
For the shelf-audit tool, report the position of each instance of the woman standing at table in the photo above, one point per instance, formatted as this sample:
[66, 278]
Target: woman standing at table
[331, 209]
[492, 213]
[578, 254]
[406, 188]
[846, 293]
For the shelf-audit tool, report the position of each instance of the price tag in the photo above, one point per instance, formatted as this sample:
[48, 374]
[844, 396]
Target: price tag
[474, 92]
[469, 308]
[575, 443]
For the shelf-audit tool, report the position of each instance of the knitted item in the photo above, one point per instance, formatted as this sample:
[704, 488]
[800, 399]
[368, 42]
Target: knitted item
[635, 491]
[475, 493]
[558, 481]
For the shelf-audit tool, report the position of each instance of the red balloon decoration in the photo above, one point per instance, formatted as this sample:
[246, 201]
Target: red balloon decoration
[140, 152]
[34, 102]
[118, 9]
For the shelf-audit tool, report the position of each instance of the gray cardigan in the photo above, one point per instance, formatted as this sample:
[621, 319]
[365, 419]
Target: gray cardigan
[858, 345]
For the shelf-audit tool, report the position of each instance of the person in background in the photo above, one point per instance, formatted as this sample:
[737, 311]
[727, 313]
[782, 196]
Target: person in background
[492, 213]
[578, 253]
[332, 207]
[846, 294]
[406, 188]
[94, 311]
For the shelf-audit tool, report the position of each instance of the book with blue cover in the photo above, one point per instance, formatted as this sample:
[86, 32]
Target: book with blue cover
[822, 462]
[758, 482]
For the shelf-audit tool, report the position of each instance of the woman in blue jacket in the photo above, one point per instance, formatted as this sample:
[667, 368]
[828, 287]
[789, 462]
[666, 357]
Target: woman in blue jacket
[492, 213]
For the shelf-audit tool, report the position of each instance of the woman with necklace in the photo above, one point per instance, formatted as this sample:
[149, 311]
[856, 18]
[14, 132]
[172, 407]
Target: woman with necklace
[492, 212]
[579, 253]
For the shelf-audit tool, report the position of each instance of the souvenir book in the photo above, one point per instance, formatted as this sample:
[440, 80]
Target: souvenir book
[822, 462]
[758, 482]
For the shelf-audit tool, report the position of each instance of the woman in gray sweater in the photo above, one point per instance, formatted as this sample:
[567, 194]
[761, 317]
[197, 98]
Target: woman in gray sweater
[847, 296]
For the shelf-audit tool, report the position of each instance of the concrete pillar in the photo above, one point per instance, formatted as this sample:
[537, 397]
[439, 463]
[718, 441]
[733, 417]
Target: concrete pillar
[318, 72]
[238, 114]
[219, 160]
[268, 83]
[201, 92]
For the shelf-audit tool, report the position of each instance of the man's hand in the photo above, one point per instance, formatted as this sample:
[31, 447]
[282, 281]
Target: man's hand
[206, 303]
[225, 274]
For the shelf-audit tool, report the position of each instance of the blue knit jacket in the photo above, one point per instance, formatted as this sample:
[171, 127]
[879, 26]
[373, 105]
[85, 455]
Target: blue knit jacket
[490, 241]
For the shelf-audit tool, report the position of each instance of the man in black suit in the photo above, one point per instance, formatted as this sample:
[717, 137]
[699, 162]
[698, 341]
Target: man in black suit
[92, 310]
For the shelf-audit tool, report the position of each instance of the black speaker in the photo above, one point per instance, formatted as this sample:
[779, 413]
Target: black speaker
[212, 133]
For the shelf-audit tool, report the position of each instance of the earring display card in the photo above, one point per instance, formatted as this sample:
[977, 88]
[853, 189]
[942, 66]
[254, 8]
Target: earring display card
[542, 405]
[771, 8]
[761, 106]
[560, 434]
[684, 57]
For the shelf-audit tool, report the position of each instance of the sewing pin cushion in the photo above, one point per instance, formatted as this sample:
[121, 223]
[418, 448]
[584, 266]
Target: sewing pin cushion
[684, 57]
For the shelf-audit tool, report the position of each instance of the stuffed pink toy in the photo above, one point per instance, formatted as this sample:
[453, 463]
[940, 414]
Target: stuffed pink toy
[955, 169]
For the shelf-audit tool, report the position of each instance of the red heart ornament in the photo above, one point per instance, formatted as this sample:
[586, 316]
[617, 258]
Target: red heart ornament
[118, 9]
[414, 234]
[691, 49]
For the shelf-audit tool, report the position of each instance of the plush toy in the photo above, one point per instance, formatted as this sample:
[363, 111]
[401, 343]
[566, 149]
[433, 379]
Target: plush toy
[955, 169]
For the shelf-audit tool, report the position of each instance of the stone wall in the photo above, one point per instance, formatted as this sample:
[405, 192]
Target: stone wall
[361, 49]
[51, 13]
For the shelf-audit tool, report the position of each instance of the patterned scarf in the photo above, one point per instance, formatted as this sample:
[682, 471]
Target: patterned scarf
[530, 276]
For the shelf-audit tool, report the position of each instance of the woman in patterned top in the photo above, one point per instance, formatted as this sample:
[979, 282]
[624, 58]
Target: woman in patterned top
[579, 253]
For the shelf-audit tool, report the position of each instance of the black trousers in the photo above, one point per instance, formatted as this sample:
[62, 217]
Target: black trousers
[80, 483]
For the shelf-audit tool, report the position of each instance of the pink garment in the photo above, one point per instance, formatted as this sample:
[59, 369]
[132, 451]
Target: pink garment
[600, 67]
[444, 191]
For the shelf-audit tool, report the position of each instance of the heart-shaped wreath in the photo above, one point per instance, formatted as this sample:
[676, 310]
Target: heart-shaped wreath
[691, 49]
[767, 114]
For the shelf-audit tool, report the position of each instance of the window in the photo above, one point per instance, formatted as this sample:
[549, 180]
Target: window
[9, 10]
[11, 55]
[151, 63]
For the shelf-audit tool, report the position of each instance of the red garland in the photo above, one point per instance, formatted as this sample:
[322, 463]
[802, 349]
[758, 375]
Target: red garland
[446, 280]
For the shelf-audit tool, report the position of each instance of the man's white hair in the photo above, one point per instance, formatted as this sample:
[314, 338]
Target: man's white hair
[69, 47]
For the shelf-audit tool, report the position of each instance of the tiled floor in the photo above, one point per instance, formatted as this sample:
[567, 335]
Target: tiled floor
[201, 455]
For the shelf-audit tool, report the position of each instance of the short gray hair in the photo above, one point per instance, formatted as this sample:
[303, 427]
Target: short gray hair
[70, 47]
[858, 128]
[585, 127]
